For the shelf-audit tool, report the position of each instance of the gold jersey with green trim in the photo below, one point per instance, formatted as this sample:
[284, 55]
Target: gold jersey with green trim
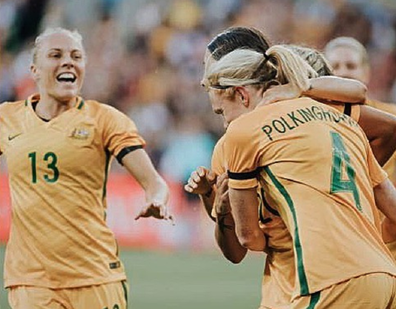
[317, 169]
[279, 270]
[57, 174]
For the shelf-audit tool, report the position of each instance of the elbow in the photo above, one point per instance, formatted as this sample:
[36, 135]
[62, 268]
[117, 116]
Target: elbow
[363, 93]
[252, 240]
[236, 258]
[248, 243]
[360, 95]
[235, 261]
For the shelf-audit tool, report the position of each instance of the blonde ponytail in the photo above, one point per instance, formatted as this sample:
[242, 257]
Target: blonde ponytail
[291, 68]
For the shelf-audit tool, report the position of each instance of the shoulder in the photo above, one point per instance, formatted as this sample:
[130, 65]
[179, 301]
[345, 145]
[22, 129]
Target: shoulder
[220, 144]
[218, 151]
[101, 109]
[243, 130]
[386, 107]
[12, 107]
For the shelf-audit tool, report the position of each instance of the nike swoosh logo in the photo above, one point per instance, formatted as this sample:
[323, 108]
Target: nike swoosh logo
[11, 137]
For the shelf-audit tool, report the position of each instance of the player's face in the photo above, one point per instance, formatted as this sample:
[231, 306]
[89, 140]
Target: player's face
[347, 62]
[222, 104]
[60, 67]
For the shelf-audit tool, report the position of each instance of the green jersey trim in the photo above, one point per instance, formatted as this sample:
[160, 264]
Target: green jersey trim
[304, 289]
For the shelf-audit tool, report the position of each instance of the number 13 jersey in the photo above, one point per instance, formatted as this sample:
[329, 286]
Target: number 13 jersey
[57, 173]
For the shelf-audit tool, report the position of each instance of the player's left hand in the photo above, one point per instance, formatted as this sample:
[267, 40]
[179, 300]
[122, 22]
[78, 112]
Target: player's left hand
[156, 210]
[280, 93]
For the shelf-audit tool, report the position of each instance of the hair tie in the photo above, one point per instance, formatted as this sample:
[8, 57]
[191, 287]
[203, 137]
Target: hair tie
[267, 58]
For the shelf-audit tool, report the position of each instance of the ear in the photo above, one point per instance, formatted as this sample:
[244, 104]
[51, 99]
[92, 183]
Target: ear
[34, 72]
[243, 95]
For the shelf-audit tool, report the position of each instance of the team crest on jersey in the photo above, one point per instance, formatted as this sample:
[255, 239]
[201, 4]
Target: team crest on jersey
[80, 133]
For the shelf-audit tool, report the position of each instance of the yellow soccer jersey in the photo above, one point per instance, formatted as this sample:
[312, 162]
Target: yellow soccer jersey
[279, 273]
[57, 174]
[317, 169]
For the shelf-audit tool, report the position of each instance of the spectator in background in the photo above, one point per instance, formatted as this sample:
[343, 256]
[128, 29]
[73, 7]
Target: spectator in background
[26, 24]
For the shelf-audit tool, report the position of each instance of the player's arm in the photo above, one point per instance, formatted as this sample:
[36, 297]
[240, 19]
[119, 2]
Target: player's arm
[330, 88]
[244, 205]
[225, 233]
[141, 168]
[339, 89]
[201, 182]
[385, 198]
[380, 128]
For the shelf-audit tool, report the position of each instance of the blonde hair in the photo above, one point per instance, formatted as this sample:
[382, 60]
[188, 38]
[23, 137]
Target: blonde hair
[350, 43]
[278, 65]
[314, 58]
[49, 31]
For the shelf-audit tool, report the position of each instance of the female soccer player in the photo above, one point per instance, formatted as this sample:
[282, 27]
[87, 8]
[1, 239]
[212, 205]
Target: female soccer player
[223, 211]
[318, 172]
[58, 147]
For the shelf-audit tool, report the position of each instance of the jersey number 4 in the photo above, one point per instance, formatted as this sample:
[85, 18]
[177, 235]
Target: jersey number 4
[342, 162]
[51, 160]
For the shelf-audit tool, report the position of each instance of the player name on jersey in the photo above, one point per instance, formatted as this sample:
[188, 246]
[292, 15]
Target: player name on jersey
[300, 116]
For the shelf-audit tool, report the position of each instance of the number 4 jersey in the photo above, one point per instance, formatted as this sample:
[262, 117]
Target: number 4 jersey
[57, 174]
[317, 169]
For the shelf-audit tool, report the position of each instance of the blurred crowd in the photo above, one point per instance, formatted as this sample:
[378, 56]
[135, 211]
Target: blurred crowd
[145, 56]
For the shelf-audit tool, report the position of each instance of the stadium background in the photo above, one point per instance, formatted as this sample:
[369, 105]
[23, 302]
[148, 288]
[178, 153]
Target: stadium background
[145, 58]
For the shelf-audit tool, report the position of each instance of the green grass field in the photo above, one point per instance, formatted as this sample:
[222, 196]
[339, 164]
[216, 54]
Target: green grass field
[184, 280]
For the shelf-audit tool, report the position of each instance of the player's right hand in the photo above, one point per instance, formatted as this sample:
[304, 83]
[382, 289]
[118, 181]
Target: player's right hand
[201, 181]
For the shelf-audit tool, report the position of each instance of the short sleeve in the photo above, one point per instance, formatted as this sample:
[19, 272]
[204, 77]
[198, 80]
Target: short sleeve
[119, 132]
[218, 160]
[241, 148]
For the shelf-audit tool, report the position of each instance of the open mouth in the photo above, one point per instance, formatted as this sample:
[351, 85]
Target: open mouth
[66, 78]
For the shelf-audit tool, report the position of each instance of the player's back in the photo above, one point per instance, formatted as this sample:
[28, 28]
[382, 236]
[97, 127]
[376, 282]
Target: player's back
[317, 169]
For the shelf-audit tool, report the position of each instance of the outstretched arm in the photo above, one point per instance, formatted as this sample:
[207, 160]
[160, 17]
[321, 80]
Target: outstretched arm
[141, 168]
[329, 88]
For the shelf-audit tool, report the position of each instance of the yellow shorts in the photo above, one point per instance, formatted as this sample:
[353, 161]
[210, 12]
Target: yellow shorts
[371, 291]
[112, 295]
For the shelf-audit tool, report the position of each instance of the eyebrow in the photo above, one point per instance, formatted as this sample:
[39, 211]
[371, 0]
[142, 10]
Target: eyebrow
[60, 49]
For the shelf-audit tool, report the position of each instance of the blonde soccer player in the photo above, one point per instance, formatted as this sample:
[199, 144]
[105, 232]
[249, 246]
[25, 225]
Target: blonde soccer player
[234, 96]
[58, 147]
[278, 279]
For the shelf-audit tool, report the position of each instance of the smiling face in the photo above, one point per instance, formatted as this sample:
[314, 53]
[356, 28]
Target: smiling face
[59, 67]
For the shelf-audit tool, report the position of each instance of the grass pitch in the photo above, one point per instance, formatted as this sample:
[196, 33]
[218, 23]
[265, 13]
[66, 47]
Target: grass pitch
[186, 281]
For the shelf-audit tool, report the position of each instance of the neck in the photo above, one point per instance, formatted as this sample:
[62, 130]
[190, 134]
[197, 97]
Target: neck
[49, 108]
